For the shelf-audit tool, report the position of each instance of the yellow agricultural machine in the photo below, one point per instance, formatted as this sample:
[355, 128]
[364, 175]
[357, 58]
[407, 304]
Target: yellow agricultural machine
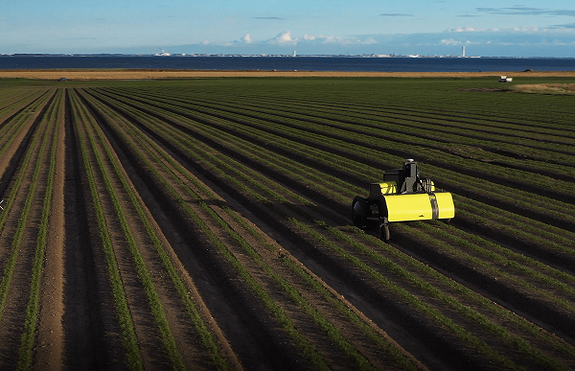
[403, 196]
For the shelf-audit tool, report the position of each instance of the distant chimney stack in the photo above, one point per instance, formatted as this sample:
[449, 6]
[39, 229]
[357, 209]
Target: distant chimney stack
[463, 51]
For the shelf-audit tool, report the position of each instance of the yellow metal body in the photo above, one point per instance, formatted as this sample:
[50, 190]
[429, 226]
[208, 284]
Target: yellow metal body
[386, 188]
[411, 206]
[418, 206]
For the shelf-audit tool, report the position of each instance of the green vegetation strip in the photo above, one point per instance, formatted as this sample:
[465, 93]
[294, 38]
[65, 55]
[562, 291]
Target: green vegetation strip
[130, 340]
[434, 314]
[218, 361]
[149, 287]
[276, 310]
[20, 229]
[294, 295]
[527, 272]
[28, 337]
[532, 203]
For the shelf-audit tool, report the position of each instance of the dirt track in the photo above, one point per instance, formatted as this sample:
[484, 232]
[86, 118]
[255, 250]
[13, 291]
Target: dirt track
[170, 74]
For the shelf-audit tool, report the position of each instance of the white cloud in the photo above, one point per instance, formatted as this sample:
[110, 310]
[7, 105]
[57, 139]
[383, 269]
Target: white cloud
[515, 41]
[283, 38]
[287, 38]
[247, 39]
[526, 29]
[451, 42]
[465, 29]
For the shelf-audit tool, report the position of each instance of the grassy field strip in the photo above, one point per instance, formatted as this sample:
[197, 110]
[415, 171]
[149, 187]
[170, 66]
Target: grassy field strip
[407, 125]
[546, 204]
[143, 273]
[450, 138]
[519, 176]
[472, 315]
[8, 132]
[424, 118]
[209, 124]
[373, 113]
[456, 243]
[501, 262]
[321, 110]
[474, 183]
[494, 171]
[488, 145]
[321, 322]
[28, 337]
[271, 305]
[217, 360]
[395, 94]
[401, 125]
[134, 358]
[518, 342]
[10, 261]
[296, 171]
[267, 138]
[540, 238]
[554, 239]
[522, 203]
[512, 198]
[481, 302]
[17, 104]
[326, 326]
[454, 327]
[463, 110]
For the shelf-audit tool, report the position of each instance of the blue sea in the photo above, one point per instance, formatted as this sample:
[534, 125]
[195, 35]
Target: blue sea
[300, 63]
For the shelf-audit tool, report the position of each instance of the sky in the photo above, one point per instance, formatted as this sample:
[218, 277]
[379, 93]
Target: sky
[513, 28]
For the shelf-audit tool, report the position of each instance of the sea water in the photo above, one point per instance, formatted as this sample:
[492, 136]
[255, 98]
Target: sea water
[303, 63]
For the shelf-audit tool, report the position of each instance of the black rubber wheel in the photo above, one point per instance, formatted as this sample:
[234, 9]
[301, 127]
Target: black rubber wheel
[384, 228]
[358, 212]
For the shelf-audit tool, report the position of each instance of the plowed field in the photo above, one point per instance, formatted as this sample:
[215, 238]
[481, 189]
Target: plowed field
[205, 224]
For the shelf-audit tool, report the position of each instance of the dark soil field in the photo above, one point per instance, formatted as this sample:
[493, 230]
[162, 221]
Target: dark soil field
[204, 223]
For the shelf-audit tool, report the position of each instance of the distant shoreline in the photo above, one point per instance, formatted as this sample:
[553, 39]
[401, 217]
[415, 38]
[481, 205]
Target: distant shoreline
[155, 74]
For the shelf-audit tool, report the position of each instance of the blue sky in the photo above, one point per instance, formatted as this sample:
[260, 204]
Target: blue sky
[486, 28]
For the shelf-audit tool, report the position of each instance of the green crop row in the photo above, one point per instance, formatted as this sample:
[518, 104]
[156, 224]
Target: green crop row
[432, 148]
[10, 261]
[258, 290]
[241, 148]
[349, 107]
[547, 206]
[320, 321]
[498, 192]
[218, 361]
[147, 283]
[437, 155]
[52, 119]
[280, 199]
[22, 102]
[479, 185]
[130, 341]
[398, 123]
[8, 132]
[290, 168]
